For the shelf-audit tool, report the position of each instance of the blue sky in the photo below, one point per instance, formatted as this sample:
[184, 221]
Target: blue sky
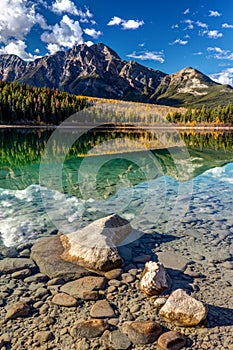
[166, 35]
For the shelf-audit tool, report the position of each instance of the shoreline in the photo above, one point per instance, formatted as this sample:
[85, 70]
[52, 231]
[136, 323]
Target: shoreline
[127, 127]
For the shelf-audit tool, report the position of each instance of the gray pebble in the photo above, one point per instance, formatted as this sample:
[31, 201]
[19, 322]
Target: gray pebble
[135, 308]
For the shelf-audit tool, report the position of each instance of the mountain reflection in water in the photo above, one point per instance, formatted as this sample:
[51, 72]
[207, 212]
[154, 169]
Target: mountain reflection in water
[120, 158]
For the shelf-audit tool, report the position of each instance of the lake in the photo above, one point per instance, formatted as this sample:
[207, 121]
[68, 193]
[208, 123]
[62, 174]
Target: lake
[161, 181]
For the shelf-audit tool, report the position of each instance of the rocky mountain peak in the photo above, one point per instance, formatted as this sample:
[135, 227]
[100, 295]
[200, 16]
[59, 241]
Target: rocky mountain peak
[191, 73]
[11, 67]
[97, 70]
[187, 70]
[98, 50]
[107, 51]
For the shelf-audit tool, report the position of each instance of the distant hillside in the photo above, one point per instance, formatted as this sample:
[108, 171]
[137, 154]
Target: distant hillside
[98, 71]
[189, 87]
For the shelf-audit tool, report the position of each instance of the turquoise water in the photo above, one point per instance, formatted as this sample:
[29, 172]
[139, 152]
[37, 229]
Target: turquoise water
[158, 181]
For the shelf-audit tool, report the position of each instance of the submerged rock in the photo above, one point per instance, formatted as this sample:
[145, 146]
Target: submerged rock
[143, 332]
[21, 274]
[46, 253]
[171, 341]
[43, 337]
[172, 260]
[95, 246]
[115, 340]
[102, 309]
[183, 310]
[113, 274]
[19, 309]
[11, 265]
[64, 299]
[154, 279]
[89, 329]
[78, 287]
[90, 249]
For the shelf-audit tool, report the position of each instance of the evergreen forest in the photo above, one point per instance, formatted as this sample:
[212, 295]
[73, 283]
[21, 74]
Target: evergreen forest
[21, 104]
[205, 115]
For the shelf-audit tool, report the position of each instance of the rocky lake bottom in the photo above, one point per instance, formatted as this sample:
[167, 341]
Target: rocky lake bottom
[197, 254]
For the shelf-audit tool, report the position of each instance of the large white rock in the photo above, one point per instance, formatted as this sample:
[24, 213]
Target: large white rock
[95, 246]
[183, 310]
[154, 279]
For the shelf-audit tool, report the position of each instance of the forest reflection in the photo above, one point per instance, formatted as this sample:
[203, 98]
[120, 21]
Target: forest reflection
[22, 149]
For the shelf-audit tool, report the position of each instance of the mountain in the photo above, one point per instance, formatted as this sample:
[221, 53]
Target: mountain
[99, 71]
[192, 88]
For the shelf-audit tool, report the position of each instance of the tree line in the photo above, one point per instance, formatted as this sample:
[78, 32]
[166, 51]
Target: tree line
[23, 104]
[213, 115]
[208, 141]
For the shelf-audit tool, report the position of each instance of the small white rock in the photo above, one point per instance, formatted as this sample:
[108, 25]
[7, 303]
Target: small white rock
[159, 302]
[154, 279]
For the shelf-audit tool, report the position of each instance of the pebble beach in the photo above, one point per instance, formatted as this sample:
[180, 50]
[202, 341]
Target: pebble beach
[50, 318]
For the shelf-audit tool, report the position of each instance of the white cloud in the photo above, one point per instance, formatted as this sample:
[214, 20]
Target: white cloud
[125, 24]
[179, 42]
[68, 6]
[220, 54]
[214, 13]
[132, 24]
[216, 49]
[224, 64]
[17, 19]
[60, 6]
[202, 25]
[227, 56]
[199, 53]
[65, 34]
[189, 23]
[53, 48]
[85, 17]
[175, 26]
[18, 48]
[148, 56]
[115, 21]
[92, 32]
[224, 77]
[186, 12]
[42, 21]
[87, 14]
[89, 43]
[228, 26]
[212, 34]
